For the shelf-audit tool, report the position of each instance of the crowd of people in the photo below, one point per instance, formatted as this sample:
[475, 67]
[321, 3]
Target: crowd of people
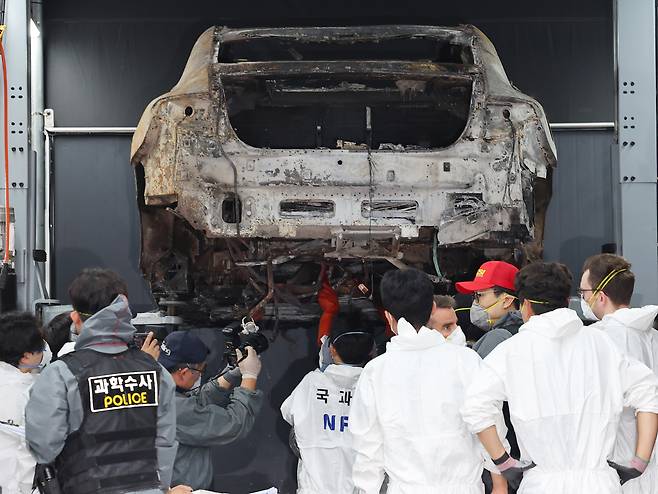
[542, 402]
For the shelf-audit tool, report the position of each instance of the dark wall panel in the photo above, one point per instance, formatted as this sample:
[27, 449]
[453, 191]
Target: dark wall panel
[106, 60]
[580, 216]
[95, 212]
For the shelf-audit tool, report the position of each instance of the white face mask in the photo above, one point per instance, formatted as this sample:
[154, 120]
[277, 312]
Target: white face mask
[197, 383]
[73, 333]
[457, 337]
[588, 313]
[46, 358]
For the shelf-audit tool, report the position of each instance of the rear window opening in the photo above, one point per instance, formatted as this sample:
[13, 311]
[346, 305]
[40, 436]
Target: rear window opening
[401, 48]
[357, 113]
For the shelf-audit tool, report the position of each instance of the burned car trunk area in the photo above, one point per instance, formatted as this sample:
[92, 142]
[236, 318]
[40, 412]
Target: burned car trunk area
[356, 102]
[368, 148]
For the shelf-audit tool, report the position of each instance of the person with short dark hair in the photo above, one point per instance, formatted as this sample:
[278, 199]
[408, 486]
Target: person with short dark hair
[566, 385]
[104, 413]
[495, 307]
[606, 288]
[210, 414]
[58, 332]
[318, 410]
[405, 419]
[21, 351]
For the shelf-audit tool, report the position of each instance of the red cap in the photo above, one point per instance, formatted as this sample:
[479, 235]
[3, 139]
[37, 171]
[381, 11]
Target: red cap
[490, 274]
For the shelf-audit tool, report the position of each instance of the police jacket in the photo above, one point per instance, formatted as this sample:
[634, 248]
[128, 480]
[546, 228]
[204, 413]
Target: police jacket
[207, 418]
[55, 410]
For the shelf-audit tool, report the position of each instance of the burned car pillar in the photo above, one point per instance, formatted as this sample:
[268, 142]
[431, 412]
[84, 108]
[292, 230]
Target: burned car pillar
[368, 148]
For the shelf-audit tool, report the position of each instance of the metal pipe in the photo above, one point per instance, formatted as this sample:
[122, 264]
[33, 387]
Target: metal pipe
[131, 130]
[582, 126]
[37, 142]
[90, 130]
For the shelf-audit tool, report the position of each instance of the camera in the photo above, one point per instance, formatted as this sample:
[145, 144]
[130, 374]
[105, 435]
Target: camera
[240, 337]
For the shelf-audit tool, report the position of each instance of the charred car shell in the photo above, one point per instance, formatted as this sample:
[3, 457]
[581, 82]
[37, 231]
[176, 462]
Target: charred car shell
[368, 147]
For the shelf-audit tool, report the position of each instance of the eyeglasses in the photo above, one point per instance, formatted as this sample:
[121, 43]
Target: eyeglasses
[477, 295]
[582, 291]
[198, 371]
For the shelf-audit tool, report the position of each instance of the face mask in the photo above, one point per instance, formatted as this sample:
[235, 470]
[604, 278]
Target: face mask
[197, 383]
[73, 333]
[480, 317]
[46, 357]
[588, 313]
[457, 337]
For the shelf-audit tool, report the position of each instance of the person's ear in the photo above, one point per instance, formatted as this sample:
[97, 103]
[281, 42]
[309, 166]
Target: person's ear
[392, 321]
[77, 320]
[333, 352]
[508, 301]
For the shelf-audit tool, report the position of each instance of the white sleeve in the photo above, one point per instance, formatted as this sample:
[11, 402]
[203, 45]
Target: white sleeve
[367, 439]
[483, 405]
[501, 428]
[640, 386]
[288, 405]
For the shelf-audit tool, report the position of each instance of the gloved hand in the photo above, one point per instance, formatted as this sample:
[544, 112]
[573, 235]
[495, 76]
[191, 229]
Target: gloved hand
[325, 358]
[512, 469]
[328, 301]
[637, 468]
[251, 365]
[232, 375]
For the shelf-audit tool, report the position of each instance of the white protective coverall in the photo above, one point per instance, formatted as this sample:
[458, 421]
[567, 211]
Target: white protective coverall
[318, 409]
[566, 385]
[16, 462]
[405, 418]
[632, 332]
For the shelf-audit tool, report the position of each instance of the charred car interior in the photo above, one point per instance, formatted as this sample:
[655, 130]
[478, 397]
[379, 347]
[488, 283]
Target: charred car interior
[365, 149]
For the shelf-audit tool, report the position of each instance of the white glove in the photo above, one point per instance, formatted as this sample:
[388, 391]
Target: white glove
[325, 358]
[250, 366]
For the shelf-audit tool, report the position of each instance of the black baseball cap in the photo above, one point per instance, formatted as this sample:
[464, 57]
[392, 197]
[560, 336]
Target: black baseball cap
[182, 347]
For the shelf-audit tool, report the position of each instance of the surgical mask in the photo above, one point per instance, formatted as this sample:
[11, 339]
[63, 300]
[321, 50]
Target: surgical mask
[197, 383]
[588, 313]
[73, 333]
[46, 356]
[457, 337]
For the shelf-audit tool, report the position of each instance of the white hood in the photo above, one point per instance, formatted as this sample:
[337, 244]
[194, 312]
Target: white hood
[343, 375]
[410, 339]
[640, 319]
[557, 323]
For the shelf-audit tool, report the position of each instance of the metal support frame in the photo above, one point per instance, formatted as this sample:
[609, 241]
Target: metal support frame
[52, 130]
[22, 154]
[634, 150]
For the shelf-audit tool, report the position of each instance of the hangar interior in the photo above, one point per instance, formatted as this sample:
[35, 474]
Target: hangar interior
[80, 74]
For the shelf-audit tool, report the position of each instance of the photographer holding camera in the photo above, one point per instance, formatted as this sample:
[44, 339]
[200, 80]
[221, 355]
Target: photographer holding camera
[211, 414]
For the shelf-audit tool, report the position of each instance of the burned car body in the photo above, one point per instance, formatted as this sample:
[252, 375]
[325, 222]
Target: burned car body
[368, 147]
